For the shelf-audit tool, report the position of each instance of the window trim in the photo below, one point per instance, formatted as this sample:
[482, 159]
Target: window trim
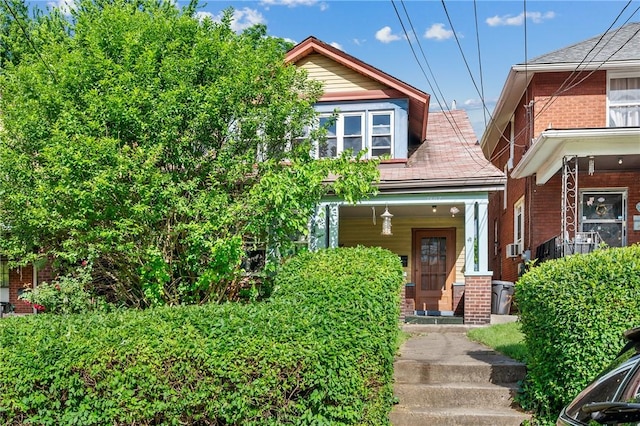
[371, 135]
[518, 219]
[624, 193]
[613, 76]
[367, 135]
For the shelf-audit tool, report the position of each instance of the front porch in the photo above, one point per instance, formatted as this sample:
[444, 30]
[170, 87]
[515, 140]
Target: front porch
[440, 238]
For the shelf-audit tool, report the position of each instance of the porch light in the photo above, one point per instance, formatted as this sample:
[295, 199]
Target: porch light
[434, 208]
[453, 210]
[386, 222]
[619, 160]
[591, 165]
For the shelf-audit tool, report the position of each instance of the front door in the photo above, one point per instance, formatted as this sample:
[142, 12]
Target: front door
[433, 263]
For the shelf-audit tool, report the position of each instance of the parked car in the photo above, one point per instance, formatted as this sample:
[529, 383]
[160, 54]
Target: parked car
[613, 398]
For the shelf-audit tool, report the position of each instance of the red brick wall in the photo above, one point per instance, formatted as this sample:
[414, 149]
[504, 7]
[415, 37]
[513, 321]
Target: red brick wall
[582, 106]
[477, 299]
[20, 279]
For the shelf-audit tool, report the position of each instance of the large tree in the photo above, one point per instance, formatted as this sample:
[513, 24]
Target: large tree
[153, 143]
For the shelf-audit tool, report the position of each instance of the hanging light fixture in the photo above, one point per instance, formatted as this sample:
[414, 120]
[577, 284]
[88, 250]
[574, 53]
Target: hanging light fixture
[591, 165]
[434, 208]
[386, 222]
[454, 210]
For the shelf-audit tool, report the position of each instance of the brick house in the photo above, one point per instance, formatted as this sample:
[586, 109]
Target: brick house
[434, 188]
[566, 132]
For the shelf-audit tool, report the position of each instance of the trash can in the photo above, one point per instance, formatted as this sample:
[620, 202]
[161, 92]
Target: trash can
[501, 295]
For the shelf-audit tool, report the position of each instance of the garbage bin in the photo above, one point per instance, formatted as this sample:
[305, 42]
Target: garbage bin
[501, 295]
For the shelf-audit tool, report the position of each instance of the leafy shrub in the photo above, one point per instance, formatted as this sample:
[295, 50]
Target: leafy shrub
[573, 312]
[67, 294]
[320, 351]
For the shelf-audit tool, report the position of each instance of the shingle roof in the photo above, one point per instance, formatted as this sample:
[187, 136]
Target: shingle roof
[621, 44]
[449, 157]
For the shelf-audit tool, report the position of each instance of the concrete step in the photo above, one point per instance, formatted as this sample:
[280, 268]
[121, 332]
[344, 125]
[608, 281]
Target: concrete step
[416, 371]
[446, 395]
[402, 416]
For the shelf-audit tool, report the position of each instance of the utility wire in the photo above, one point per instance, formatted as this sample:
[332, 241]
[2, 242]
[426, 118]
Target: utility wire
[33, 46]
[475, 14]
[448, 116]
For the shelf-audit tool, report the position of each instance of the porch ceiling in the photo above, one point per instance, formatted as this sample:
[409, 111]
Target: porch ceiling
[422, 211]
[544, 158]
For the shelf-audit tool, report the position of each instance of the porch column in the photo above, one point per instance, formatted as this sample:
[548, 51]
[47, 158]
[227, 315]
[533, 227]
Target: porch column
[334, 220]
[323, 227]
[477, 291]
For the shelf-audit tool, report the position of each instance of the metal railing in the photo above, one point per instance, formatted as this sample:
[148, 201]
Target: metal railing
[559, 246]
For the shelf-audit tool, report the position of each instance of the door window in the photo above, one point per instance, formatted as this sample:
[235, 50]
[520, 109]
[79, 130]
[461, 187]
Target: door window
[604, 212]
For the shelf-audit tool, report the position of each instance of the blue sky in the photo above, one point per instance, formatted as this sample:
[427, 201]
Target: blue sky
[373, 32]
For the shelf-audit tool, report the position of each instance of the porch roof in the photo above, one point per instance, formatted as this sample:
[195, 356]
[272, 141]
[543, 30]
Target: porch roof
[450, 157]
[544, 158]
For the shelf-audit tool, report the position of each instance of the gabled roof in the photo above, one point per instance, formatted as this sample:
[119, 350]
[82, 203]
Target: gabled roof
[418, 100]
[617, 49]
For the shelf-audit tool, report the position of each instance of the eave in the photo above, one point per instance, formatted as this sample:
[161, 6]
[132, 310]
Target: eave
[516, 84]
[544, 158]
[418, 100]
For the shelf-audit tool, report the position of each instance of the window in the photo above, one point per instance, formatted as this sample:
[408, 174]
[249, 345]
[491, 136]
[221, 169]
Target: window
[342, 134]
[604, 212]
[4, 274]
[624, 100]
[347, 131]
[381, 135]
[518, 223]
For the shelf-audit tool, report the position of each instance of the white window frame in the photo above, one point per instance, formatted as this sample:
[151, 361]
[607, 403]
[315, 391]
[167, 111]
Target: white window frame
[518, 222]
[620, 220]
[631, 103]
[340, 129]
[371, 134]
[506, 185]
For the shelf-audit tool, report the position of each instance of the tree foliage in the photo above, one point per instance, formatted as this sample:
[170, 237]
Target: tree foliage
[153, 143]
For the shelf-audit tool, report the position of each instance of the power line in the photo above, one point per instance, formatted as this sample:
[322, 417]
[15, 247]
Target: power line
[15, 17]
[449, 117]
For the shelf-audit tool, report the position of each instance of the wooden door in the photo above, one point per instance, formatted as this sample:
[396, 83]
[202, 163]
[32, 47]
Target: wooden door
[433, 263]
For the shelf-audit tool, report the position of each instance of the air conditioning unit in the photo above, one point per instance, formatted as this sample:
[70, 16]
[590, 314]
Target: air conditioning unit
[514, 250]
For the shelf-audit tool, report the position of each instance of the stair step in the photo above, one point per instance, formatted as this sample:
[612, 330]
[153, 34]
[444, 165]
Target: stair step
[416, 371]
[455, 416]
[466, 395]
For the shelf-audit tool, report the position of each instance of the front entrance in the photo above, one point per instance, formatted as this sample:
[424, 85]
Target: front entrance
[433, 260]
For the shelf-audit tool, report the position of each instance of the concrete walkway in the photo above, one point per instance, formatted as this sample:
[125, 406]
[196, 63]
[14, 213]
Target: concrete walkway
[442, 377]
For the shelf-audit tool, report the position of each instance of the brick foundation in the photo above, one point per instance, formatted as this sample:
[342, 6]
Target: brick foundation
[477, 299]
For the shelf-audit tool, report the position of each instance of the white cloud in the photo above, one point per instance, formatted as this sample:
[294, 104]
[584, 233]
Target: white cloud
[289, 3]
[336, 45]
[65, 6]
[241, 19]
[359, 41]
[509, 20]
[204, 15]
[438, 32]
[324, 6]
[386, 36]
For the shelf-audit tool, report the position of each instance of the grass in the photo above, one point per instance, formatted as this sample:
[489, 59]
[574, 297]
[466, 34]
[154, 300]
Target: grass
[505, 338]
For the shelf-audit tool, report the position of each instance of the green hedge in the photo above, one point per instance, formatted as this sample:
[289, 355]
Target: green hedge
[573, 312]
[320, 351]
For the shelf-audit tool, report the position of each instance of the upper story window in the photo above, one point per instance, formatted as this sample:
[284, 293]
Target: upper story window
[346, 132]
[357, 131]
[624, 100]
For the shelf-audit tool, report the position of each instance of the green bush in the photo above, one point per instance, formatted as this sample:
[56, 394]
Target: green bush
[319, 351]
[573, 312]
[66, 294]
